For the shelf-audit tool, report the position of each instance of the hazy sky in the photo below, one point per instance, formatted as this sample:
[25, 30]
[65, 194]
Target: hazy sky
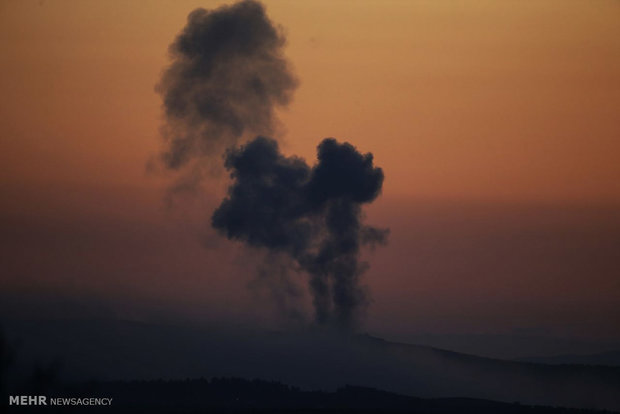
[496, 124]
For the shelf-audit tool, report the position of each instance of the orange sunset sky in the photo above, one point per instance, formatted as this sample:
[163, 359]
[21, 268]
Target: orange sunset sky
[497, 125]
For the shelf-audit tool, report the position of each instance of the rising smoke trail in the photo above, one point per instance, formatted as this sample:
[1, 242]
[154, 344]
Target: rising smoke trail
[311, 214]
[227, 76]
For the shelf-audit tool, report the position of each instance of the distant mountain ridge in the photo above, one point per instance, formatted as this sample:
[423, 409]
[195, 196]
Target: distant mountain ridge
[609, 358]
[513, 347]
[113, 350]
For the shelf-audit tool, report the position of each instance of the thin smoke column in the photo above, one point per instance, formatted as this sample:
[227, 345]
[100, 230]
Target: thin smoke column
[227, 76]
[313, 215]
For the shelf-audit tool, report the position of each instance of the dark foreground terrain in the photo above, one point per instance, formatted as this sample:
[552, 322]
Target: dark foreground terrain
[41, 357]
[235, 395]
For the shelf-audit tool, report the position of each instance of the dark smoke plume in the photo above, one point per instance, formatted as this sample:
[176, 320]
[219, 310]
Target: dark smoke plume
[311, 214]
[227, 75]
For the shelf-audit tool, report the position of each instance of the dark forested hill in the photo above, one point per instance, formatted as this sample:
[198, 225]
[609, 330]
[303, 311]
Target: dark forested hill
[234, 395]
[77, 351]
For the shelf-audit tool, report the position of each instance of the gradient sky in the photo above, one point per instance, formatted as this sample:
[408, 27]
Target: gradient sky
[496, 124]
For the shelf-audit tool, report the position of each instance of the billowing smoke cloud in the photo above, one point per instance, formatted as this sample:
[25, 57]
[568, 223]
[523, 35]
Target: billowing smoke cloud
[311, 214]
[227, 76]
